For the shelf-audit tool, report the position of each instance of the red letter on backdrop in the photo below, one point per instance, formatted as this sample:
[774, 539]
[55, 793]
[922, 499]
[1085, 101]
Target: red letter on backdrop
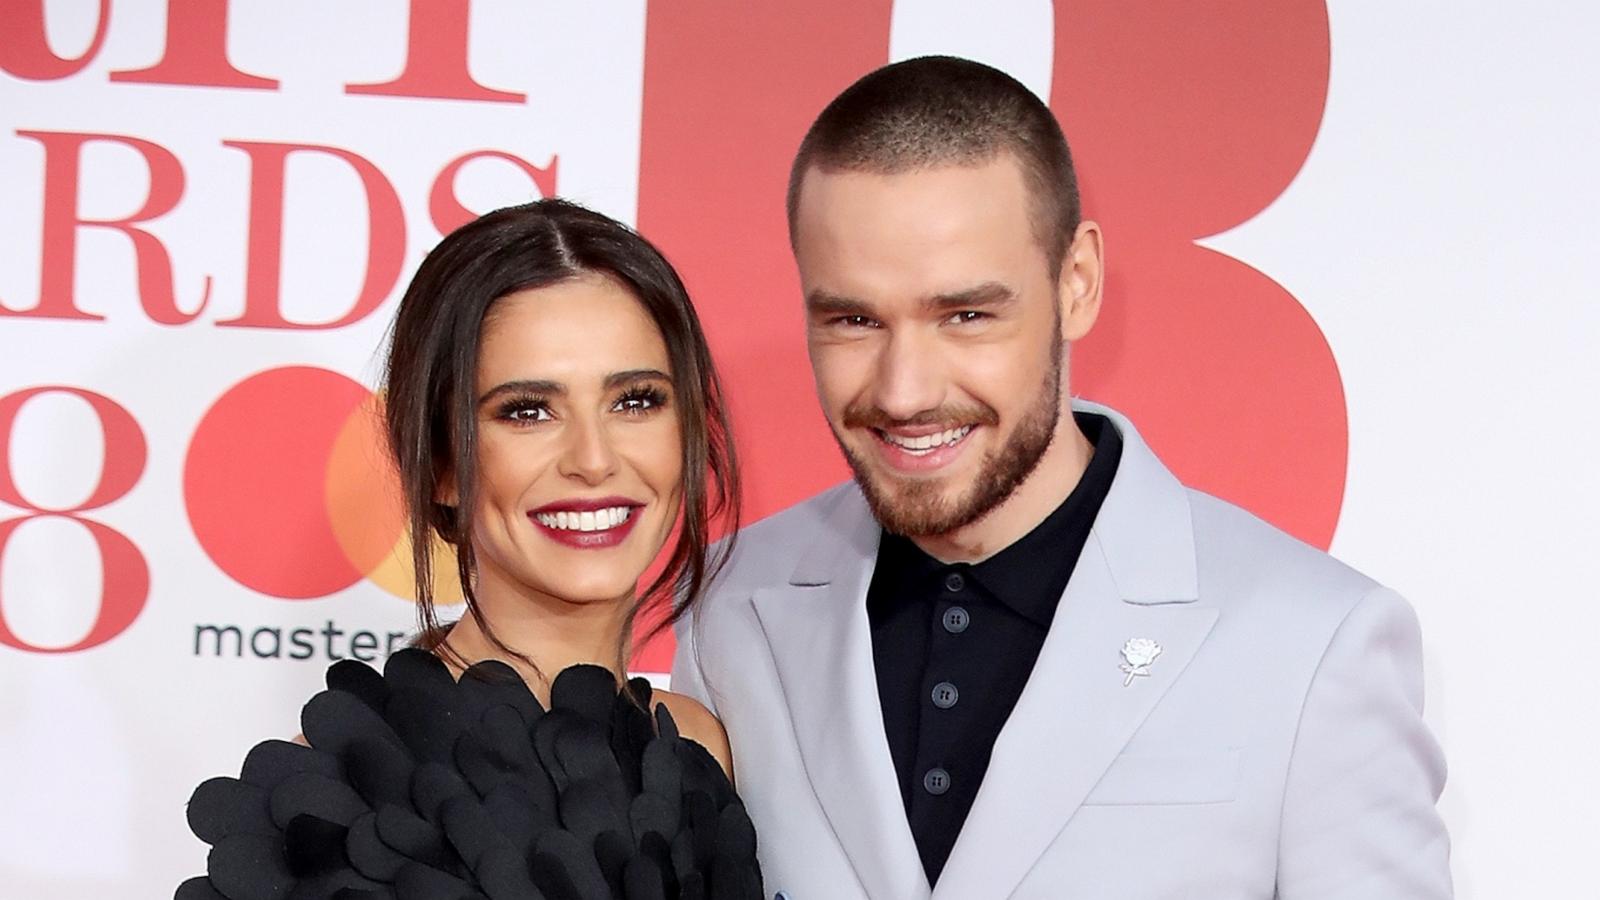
[447, 212]
[1243, 119]
[718, 134]
[197, 50]
[729, 90]
[59, 233]
[25, 53]
[386, 236]
[1184, 122]
[436, 58]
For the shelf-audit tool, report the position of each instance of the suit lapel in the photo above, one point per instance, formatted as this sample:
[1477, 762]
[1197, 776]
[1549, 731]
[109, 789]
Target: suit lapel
[820, 639]
[1136, 579]
[1071, 721]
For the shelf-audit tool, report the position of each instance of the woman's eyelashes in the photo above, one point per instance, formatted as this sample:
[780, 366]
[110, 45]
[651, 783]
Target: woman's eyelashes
[641, 399]
[530, 409]
[524, 409]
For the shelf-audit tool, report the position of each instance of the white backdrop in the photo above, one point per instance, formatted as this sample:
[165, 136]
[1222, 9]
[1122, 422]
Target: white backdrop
[1441, 234]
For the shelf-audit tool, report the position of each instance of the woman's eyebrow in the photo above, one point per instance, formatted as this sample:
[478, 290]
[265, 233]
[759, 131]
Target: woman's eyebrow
[557, 389]
[628, 376]
[553, 388]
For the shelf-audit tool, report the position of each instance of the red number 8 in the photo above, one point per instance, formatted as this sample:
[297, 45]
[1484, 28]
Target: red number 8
[125, 578]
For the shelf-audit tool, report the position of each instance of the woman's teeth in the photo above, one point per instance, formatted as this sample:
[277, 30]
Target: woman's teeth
[589, 520]
[928, 442]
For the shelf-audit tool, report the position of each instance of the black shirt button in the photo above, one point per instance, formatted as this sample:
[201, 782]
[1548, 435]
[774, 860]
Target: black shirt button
[953, 582]
[936, 782]
[945, 695]
[956, 619]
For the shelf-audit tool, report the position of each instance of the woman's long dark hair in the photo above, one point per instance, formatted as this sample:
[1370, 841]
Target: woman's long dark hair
[430, 380]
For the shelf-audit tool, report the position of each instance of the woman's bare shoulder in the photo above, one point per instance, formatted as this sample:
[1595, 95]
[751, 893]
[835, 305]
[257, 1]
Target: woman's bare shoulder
[698, 724]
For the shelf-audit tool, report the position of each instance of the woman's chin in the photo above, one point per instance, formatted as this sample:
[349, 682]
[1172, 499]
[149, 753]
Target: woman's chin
[590, 590]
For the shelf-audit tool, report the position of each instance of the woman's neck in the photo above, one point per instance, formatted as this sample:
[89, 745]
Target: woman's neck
[553, 633]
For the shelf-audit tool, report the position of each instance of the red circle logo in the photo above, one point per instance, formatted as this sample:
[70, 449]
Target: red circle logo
[291, 492]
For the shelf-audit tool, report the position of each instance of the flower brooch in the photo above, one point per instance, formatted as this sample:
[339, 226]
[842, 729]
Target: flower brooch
[1137, 655]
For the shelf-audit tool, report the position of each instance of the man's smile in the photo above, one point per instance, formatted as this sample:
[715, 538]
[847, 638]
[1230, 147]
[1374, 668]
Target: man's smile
[915, 453]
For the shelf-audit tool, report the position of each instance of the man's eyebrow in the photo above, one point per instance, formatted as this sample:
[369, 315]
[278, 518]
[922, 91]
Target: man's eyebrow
[988, 294]
[822, 303]
[628, 376]
[547, 388]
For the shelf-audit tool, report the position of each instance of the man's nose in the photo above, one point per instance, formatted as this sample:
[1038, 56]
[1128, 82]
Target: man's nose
[911, 376]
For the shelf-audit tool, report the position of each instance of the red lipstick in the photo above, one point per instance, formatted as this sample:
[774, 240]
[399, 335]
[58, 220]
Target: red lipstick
[587, 523]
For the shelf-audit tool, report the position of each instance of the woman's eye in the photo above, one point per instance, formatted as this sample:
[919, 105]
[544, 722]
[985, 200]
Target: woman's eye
[527, 414]
[640, 402]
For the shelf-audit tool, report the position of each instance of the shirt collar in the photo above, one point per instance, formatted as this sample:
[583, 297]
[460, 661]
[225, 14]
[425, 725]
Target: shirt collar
[1030, 574]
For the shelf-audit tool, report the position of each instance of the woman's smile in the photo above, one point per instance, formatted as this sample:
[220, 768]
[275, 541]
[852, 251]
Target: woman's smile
[587, 524]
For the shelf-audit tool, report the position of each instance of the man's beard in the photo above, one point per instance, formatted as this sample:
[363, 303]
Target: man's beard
[917, 507]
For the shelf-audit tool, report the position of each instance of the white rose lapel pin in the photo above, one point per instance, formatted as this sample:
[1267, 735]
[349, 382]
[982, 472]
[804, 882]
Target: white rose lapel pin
[1137, 655]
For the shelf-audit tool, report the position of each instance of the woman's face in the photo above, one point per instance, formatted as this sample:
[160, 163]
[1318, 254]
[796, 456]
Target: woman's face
[579, 452]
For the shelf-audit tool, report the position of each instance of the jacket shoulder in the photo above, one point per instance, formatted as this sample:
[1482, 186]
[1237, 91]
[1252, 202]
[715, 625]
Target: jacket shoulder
[1243, 555]
[767, 550]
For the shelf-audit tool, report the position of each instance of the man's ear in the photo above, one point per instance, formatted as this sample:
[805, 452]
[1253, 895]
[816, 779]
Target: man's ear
[1081, 282]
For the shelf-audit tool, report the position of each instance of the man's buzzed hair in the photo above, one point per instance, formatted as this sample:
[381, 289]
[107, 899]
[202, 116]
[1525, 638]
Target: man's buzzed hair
[940, 111]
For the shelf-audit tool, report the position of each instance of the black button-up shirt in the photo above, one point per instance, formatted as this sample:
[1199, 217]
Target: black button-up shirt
[953, 645]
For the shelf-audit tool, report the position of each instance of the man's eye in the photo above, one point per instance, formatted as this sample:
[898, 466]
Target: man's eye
[968, 315]
[855, 321]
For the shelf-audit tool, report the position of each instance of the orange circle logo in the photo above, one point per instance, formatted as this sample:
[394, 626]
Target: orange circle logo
[291, 491]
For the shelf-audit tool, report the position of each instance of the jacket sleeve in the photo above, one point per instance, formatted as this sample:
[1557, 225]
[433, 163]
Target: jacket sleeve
[1359, 818]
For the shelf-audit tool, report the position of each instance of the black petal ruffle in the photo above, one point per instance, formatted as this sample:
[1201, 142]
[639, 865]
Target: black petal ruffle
[417, 786]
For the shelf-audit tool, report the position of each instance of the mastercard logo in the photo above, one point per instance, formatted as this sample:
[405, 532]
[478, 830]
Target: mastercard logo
[290, 489]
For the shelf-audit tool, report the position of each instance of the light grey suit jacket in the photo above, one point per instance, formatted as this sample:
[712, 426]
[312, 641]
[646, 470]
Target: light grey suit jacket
[1275, 749]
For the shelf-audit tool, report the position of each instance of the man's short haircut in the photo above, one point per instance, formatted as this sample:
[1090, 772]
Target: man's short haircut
[940, 111]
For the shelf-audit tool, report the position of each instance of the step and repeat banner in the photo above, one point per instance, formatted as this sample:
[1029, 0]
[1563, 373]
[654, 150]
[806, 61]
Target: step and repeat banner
[1352, 282]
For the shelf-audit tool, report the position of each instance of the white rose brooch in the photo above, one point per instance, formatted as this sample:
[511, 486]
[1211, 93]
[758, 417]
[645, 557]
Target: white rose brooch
[1138, 654]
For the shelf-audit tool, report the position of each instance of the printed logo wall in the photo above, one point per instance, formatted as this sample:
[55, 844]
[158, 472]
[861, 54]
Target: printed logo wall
[211, 211]
[214, 208]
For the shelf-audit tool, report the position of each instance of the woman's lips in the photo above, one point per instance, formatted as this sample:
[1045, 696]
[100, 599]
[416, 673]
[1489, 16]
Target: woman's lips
[587, 524]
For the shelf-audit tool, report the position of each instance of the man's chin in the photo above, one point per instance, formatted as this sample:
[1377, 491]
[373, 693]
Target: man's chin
[913, 507]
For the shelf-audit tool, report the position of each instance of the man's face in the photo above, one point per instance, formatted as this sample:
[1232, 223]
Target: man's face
[935, 336]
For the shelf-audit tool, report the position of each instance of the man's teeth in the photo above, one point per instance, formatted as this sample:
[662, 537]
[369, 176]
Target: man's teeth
[927, 442]
[589, 520]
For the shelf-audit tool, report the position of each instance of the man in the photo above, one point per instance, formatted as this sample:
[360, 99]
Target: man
[1015, 657]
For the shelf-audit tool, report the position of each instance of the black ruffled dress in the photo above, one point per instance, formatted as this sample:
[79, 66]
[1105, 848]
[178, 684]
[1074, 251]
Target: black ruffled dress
[417, 786]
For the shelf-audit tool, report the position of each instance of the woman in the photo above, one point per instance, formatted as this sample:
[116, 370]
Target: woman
[555, 418]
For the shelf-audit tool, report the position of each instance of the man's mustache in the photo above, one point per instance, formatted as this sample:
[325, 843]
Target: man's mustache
[866, 415]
